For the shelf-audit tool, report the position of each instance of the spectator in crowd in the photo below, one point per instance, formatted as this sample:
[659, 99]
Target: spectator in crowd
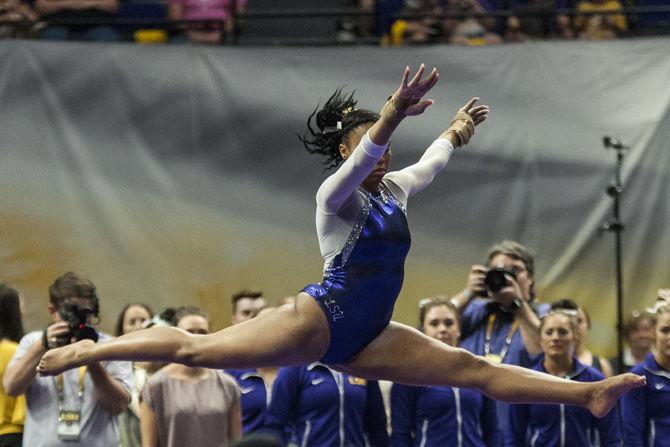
[502, 325]
[256, 391]
[470, 30]
[646, 411]
[583, 354]
[315, 405]
[79, 407]
[553, 425]
[426, 29]
[133, 317]
[190, 406]
[17, 19]
[600, 26]
[12, 409]
[351, 29]
[537, 19]
[246, 304]
[78, 11]
[438, 416]
[216, 11]
[638, 335]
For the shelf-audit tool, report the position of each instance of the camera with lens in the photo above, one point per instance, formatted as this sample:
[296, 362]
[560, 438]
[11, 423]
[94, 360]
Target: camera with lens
[495, 278]
[77, 319]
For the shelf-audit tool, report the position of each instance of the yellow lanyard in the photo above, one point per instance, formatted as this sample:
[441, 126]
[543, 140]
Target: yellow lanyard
[508, 339]
[61, 389]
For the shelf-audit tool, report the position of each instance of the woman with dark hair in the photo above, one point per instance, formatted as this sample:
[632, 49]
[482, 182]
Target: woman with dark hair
[436, 416]
[190, 406]
[646, 412]
[133, 317]
[345, 321]
[561, 425]
[12, 409]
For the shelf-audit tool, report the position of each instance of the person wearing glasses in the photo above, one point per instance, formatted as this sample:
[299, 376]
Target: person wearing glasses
[646, 413]
[435, 416]
[344, 321]
[561, 425]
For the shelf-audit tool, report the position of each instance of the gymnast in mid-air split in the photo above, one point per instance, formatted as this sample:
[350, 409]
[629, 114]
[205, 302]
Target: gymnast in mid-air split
[345, 320]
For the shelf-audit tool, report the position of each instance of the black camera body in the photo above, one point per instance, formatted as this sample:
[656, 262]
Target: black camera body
[77, 321]
[495, 278]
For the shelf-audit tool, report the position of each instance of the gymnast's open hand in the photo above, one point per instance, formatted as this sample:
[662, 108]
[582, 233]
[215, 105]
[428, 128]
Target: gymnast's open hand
[463, 124]
[407, 99]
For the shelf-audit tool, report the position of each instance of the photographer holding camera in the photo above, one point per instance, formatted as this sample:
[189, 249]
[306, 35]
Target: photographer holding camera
[500, 319]
[78, 407]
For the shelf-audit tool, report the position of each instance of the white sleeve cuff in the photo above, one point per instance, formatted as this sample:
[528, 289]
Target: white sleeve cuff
[444, 144]
[371, 149]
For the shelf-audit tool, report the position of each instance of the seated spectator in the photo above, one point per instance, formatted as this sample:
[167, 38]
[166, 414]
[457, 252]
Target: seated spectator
[646, 410]
[17, 19]
[470, 30]
[79, 406]
[188, 406]
[317, 406]
[583, 354]
[427, 29]
[439, 415]
[553, 425]
[600, 26]
[12, 409]
[638, 335]
[537, 19]
[218, 11]
[78, 11]
[351, 29]
[133, 317]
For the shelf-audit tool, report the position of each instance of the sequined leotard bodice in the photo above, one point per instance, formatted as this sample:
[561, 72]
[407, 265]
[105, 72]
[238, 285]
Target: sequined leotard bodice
[364, 270]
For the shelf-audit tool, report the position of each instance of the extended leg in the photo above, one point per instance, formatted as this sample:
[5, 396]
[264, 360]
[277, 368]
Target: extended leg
[290, 335]
[403, 354]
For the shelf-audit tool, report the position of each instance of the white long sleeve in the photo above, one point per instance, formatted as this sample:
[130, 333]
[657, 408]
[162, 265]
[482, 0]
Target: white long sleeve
[339, 187]
[416, 177]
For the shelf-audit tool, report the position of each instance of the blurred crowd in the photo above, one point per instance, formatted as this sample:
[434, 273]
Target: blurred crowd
[387, 22]
[497, 315]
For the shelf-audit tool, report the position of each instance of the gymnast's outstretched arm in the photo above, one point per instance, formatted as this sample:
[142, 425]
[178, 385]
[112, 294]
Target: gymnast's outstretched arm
[416, 177]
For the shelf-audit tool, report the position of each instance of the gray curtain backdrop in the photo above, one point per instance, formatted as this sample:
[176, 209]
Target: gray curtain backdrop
[172, 174]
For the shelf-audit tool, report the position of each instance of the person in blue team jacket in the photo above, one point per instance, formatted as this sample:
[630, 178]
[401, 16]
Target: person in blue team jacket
[439, 416]
[561, 425]
[321, 407]
[255, 387]
[646, 412]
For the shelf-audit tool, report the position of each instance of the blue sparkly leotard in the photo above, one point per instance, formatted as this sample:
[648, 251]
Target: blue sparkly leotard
[364, 239]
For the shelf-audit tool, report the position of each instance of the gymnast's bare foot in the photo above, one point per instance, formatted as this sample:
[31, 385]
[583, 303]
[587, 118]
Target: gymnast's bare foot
[608, 391]
[55, 361]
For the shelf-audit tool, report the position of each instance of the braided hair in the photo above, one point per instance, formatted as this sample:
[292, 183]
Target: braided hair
[338, 117]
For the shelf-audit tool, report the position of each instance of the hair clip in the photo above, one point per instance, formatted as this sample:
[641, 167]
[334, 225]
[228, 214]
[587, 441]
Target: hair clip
[346, 111]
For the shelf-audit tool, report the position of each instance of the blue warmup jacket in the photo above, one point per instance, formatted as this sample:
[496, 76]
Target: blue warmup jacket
[325, 408]
[440, 416]
[548, 425]
[646, 411]
[254, 398]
